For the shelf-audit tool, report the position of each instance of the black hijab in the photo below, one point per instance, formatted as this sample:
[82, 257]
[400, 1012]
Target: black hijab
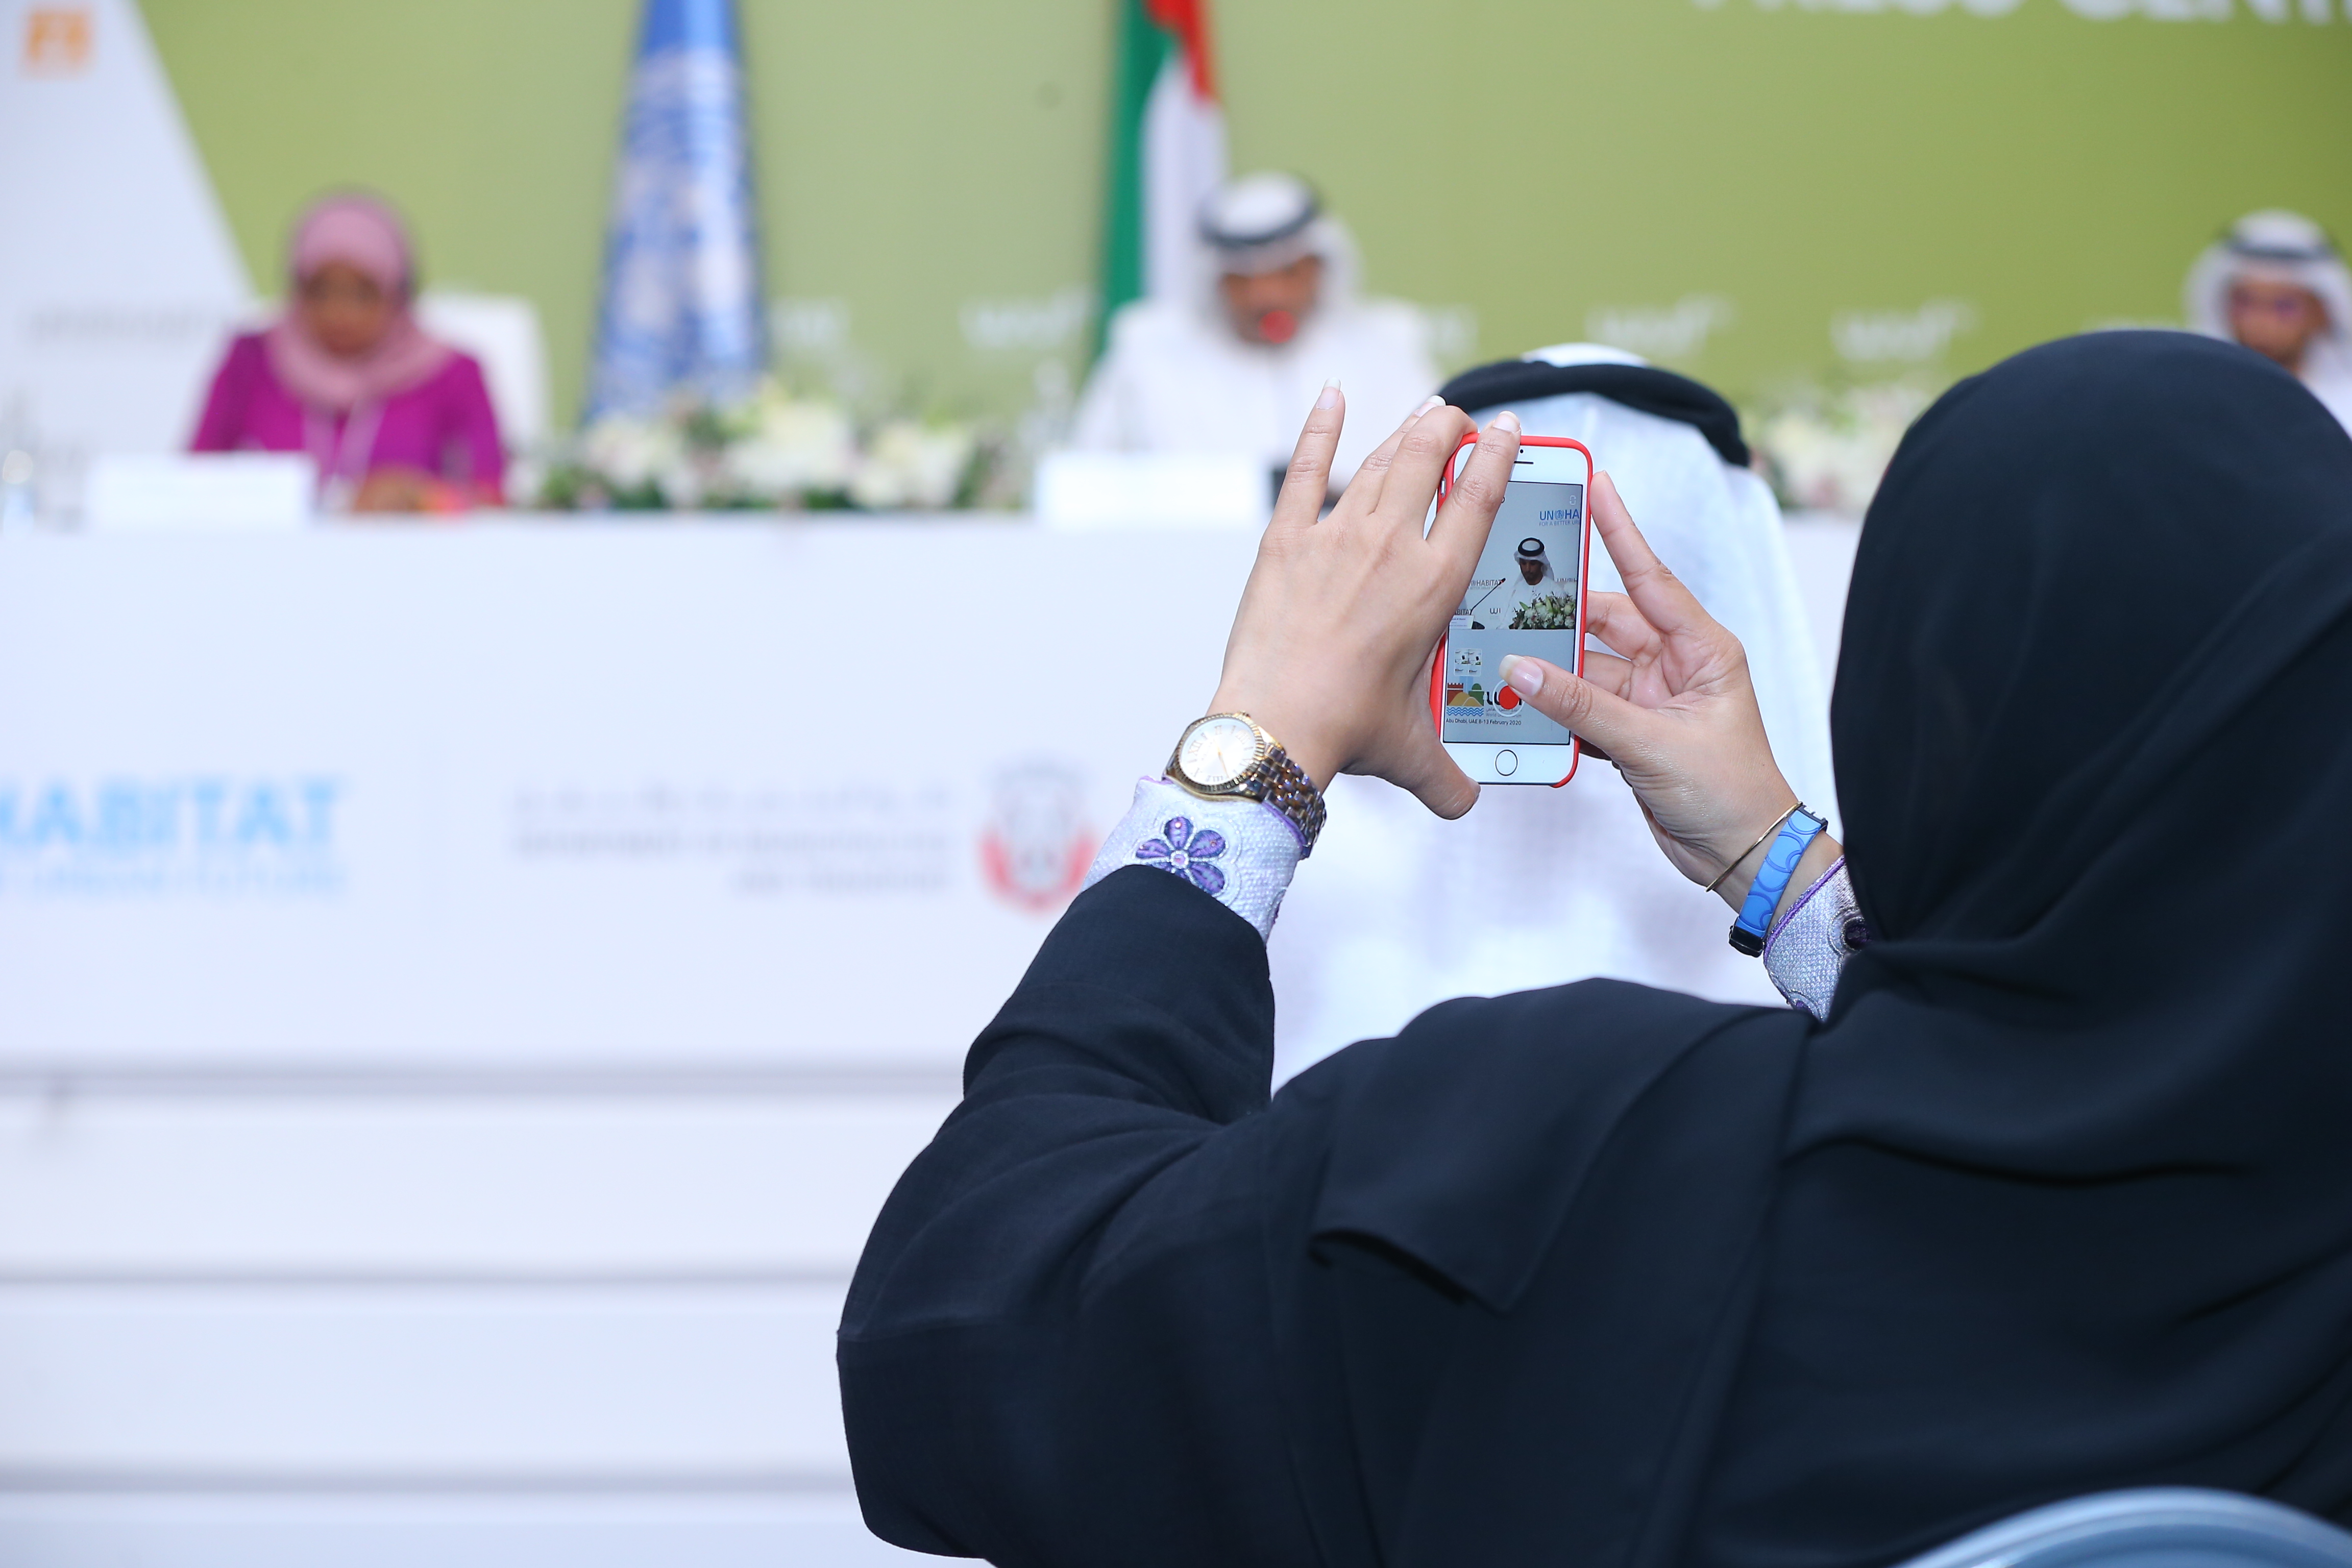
[2079, 1131]
[2060, 1198]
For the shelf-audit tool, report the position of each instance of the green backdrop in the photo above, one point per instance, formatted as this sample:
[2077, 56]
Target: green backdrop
[1759, 193]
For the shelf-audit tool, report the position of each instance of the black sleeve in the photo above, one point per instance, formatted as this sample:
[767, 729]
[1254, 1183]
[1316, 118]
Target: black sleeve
[1059, 1345]
[1472, 1293]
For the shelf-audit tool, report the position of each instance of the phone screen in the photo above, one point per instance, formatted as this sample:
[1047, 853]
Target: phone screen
[1523, 598]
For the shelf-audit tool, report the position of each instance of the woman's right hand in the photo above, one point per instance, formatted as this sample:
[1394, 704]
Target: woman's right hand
[1673, 709]
[394, 486]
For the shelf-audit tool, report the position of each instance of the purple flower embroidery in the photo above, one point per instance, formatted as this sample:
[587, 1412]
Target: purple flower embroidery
[1187, 853]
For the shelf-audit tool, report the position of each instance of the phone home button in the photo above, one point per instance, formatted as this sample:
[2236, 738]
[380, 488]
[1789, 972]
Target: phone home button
[1506, 762]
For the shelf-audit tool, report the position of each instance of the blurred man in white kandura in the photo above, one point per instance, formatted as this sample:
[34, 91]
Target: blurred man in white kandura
[1228, 367]
[2276, 284]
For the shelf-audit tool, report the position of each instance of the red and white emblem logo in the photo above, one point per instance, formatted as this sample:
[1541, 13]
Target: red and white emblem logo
[1037, 844]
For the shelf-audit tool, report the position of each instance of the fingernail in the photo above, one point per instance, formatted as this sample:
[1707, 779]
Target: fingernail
[1434, 401]
[1505, 420]
[1330, 394]
[1524, 676]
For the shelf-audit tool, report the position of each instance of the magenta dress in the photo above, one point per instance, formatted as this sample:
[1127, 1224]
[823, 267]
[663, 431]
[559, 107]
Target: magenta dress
[443, 425]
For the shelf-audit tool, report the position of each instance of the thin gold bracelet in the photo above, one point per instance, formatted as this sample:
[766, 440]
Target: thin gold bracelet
[1744, 854]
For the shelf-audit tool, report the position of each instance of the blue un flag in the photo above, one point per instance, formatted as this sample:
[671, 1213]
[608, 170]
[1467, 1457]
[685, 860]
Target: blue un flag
[681, 309]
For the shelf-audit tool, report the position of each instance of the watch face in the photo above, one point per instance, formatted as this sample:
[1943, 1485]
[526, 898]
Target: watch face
[1217, 752]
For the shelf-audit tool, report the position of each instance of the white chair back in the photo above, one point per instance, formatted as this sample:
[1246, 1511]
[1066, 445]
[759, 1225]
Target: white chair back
[501, 330]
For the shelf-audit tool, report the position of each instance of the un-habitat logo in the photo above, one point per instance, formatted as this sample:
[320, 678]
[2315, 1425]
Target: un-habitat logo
[206, 835]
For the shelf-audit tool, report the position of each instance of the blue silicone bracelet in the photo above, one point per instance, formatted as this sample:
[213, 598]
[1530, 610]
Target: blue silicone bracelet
[1773, 880]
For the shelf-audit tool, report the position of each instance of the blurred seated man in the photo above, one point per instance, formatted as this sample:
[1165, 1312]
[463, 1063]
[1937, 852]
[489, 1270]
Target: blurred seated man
[397, 421]
[2276, 284]
[1225, 367]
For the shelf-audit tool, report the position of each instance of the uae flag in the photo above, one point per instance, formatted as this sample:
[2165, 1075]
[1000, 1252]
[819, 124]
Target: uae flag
[1167, 149]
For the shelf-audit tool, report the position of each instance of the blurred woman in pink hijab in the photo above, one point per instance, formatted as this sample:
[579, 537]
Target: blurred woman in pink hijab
[397, 421]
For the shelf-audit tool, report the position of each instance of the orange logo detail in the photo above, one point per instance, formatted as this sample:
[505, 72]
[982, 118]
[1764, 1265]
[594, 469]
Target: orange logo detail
[56, 40]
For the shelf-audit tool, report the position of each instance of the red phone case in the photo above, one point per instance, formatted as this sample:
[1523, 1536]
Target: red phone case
[1583, 567]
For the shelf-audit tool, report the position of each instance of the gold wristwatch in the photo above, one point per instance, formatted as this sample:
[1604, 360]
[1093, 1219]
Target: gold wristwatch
[1228, 756]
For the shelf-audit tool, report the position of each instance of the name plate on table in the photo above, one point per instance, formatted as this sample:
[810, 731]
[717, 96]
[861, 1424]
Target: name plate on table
[204, 492]
[1096, 490]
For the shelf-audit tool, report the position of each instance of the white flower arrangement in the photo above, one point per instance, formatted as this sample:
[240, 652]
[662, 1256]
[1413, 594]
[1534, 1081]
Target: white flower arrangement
[774, 451]
[910, 466]
[631, 453]
[791, 446]
[1825, 450]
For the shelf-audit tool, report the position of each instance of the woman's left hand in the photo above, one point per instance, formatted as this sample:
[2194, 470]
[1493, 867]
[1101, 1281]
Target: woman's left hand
[1668, 701]
[1330, 650]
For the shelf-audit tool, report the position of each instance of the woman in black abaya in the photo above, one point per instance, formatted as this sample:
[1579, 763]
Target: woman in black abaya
[2057, 1199]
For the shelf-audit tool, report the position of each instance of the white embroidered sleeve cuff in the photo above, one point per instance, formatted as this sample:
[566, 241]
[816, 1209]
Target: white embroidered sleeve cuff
[1807, 951]
[1240, 852]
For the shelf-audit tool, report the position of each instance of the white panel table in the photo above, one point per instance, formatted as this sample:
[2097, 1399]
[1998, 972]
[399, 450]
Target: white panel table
[465, 992]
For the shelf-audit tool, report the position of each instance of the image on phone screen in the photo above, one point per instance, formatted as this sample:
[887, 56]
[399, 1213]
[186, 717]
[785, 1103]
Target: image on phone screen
[1523, 598]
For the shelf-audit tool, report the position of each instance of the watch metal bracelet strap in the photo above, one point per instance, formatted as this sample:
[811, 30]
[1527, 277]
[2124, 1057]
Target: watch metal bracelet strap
[1797, 834]
[1285, 787]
